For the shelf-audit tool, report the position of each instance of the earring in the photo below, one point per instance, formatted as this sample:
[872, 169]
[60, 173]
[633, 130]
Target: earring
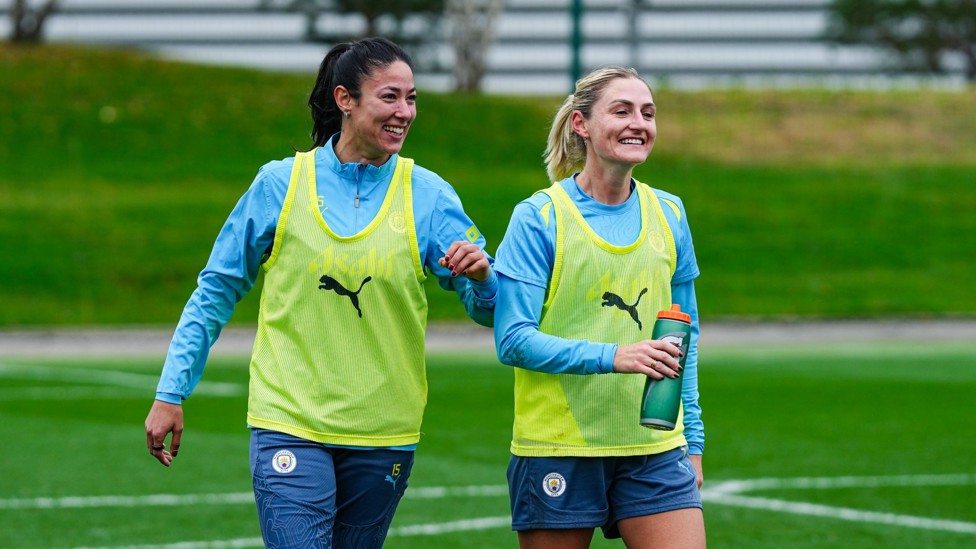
[345, 114]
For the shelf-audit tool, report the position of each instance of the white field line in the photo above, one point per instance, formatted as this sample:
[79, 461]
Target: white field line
[240, 543]
[468, 525]
[716, 494]
[723, 493]
[74, 392]
[824, 483]
[128, 380]
[174, 500]
[729, 493]
[844, 513]
[437, 492]
[154, 500]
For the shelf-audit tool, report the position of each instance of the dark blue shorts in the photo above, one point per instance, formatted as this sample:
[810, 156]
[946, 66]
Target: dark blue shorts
[586, 492]
[314, 496]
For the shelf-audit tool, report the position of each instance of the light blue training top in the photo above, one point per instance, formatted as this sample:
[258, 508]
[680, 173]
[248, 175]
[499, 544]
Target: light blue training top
[248, 234]
[524, 264]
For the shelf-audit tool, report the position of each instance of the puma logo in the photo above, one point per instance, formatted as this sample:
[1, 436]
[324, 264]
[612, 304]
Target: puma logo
[611, 299]
[329, 283]
[392, 480]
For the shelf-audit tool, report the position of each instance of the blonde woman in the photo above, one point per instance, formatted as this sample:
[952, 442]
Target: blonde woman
[583, 269]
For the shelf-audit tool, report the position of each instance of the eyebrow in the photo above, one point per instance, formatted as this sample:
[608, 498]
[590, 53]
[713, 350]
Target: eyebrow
[631, 103]
[397, 89]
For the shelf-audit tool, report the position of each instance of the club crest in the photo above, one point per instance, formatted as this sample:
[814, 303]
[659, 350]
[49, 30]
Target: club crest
[554, 485]
[284, 461]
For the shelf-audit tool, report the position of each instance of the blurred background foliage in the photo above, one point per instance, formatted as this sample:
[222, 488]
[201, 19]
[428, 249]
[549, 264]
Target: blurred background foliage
[118, 169]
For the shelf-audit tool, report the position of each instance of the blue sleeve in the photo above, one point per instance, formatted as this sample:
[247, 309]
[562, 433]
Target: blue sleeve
[677, 217]
[684, 295]
[449, 223]
[229, 275]
[525, 259]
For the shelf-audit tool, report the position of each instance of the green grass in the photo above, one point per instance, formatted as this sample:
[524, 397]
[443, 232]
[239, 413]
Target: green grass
[73, 429]
[118, 170]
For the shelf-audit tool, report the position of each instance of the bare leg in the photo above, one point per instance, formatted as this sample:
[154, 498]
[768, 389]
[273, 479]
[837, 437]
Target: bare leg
[680, 529]
[574, 538]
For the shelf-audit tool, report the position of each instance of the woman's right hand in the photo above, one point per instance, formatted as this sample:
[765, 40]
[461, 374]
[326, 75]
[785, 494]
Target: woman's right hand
[651, 357]
[164, 418]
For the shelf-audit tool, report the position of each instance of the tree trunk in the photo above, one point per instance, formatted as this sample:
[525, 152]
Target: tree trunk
[28, 22]
[471, 32]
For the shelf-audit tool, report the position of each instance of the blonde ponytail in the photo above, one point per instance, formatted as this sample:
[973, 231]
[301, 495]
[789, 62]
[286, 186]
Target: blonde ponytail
[565, 151]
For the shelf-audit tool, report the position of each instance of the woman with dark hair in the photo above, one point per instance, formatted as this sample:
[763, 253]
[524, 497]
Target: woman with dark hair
[346, 234]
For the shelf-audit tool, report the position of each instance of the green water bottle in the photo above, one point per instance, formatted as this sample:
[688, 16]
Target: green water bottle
[662, 398]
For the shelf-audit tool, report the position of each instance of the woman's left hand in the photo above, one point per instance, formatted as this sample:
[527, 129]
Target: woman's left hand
[696, 462]
[466, 259]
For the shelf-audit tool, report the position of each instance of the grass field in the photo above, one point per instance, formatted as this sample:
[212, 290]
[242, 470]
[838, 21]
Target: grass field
[847, 445]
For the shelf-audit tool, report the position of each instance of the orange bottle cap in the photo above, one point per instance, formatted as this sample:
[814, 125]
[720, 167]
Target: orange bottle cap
[675, 314]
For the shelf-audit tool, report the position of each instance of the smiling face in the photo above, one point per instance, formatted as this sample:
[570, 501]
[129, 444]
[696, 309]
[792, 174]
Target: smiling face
[621, 127]
[380, 118]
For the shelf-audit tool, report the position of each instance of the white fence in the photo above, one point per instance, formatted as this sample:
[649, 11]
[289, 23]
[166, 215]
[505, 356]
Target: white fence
[682, 42]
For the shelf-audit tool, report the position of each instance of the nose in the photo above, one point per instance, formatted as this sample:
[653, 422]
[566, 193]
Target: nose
[404, 110]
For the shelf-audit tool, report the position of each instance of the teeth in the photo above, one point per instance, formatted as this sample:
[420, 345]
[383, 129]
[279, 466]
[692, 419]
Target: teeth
[394, 129]
[632, 141]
